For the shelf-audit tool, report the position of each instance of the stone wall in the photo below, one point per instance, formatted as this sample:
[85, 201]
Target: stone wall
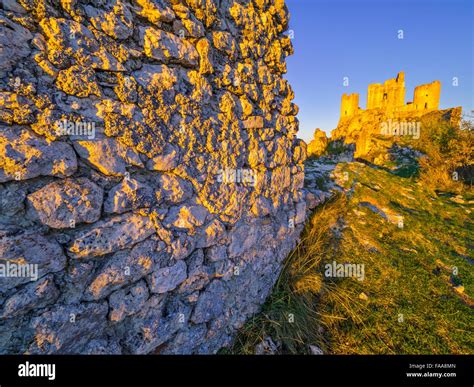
[149, 172]
[426, 97]
[389, 96]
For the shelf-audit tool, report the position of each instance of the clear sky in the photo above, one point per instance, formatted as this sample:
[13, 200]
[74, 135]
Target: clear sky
[358, 39]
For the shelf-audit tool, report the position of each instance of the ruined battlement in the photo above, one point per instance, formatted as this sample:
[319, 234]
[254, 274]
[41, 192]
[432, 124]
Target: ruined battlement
[390, 97]
[349, 105]
[385, 105]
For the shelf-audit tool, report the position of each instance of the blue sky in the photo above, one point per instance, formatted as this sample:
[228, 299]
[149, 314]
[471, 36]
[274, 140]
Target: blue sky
[358, 39]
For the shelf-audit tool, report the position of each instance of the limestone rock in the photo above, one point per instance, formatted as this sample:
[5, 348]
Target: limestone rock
[167, 47]
[17, 251]
[126, 302]
[11, 199]
[25, 156]
[187, 216]
[156, 11]
[116, 21]
[35, 295]
[79, 81]
[224, 42]
[199, 274]
[130, 195]
[254, 122]
[168, 278]
[319, 143]
[68, 36]
[205, 53]
[108, 155]
[12, 5]
[150, 329]
[66, 329]
[164, 162]
[156, 77]
[175, 189]
[102, 347]
[179, 93]
[109, 236]
[13, 42]
[210, 303]
[124, 268]
[67, 203]
[216, 253]
[211, 234]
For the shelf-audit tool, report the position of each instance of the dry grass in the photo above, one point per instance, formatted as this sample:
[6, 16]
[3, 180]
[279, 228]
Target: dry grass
[405, 304]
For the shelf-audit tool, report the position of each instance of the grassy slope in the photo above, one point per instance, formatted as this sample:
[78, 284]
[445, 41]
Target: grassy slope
[411, 306]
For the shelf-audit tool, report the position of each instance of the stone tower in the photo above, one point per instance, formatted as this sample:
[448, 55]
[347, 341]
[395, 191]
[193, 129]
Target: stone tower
[349, 105]
[427, 96]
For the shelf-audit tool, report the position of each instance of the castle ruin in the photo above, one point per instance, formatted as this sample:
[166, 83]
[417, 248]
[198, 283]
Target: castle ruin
[390, 97]
[386, 104]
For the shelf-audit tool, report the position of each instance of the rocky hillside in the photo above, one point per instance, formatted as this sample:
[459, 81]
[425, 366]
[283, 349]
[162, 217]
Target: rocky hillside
[150, 177]
[384, 267]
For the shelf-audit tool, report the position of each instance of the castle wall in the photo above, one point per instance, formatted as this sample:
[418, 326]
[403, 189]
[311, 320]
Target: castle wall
[375, 94]
[150, 175]
[426, 97]
[389, 96]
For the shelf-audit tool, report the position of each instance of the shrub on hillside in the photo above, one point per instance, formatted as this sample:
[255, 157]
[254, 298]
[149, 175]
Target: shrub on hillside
[449, 152]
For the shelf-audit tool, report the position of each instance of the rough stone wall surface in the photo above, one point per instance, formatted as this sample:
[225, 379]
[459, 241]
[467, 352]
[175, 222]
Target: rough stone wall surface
[149, 171]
